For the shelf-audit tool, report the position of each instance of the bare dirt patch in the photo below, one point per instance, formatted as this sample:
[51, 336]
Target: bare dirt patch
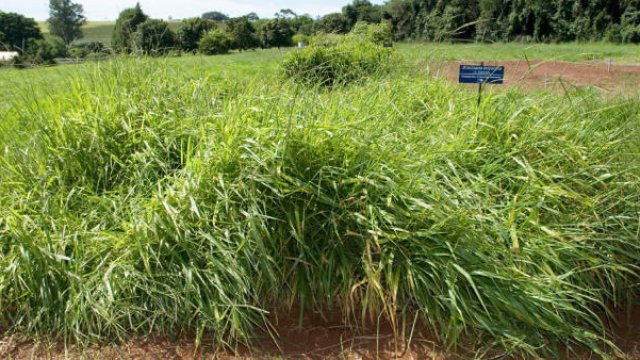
[555, 75]
[315, 339]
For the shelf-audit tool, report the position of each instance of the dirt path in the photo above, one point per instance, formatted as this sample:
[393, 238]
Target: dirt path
[552, 75]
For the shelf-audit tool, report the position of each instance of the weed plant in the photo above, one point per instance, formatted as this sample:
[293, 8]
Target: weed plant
[334, 60]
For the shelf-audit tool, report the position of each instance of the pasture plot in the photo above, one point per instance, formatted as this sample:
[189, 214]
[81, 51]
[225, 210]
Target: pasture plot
[192, 199]
[610, 77]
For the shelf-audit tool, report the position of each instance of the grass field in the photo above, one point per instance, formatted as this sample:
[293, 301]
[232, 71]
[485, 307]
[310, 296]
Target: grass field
[205, 196]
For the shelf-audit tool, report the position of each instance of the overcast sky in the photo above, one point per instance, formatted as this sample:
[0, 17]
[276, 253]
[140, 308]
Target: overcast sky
[178, 9]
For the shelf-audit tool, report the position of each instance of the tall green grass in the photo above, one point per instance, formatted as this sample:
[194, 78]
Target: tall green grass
[140, 199]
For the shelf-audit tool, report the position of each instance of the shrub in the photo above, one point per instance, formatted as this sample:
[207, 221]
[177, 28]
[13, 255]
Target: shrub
[298, 38]
[126, 25]
[95, 48]
[376, 33]
[325, 40]
[191, 31]
[214, 43]
[154, 37]
[614, 34]
[327, 65]
[631, 34]
[58, 46]
[39, 52]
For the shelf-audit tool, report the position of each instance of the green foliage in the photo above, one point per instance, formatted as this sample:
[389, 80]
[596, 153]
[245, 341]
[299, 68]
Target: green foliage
[242, 33]
[191, 31]
[362, 10]
[302, 24]
[17, 31]
[58, 46]
[379, 34]
[215, 16]
[334, 23]
[83, 50]
[276, 33]
[352, 59]
[630, 25]
[126, 25]
[506, 20]
[154, 37]
[66, 19]
[214, 43]
[39, 52]
[298, 38]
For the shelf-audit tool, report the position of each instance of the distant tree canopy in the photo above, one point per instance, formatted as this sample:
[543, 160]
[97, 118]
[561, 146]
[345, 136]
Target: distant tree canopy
[66, 19]
[192, 30]
[506, 20]
[429, 20]
[16, 31]
[332, 23]
[276, 32]
[215, 16]
[154, 37]
[126, 25]
[242, 33]
[362, 10]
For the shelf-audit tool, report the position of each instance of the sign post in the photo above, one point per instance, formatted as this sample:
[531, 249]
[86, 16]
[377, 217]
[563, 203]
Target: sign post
[481, 74]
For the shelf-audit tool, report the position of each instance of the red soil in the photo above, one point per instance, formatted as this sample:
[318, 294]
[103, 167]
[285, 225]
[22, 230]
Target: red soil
[326, 340]
[609, 77]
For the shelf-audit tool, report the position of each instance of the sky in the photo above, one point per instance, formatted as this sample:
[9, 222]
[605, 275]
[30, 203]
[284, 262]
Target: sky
[179, 9]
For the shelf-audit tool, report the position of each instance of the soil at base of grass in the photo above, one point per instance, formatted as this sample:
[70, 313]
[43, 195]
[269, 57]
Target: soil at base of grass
[316, 338]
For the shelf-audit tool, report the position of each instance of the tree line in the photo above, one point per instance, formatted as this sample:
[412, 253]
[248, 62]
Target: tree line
[428, 20]
[508, 20]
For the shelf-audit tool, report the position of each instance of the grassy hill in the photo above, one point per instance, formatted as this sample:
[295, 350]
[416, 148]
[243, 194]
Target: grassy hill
[98, 30]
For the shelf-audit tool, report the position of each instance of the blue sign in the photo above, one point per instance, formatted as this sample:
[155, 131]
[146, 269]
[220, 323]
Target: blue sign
[480, 74]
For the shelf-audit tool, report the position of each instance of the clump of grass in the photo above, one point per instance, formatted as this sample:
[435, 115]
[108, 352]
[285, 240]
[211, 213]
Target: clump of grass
[139, 204]
[333, 61]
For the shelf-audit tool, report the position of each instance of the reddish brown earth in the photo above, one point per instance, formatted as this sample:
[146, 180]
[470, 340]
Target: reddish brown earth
[330, 340]
[609, 77]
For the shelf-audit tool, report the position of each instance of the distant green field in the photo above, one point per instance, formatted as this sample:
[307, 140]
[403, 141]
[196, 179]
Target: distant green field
[520, 51]
[97, 30]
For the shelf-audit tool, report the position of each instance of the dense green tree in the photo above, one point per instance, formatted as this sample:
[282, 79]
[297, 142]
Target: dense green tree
[332, 23]
[276, 32]
[630, 24]
[506, 20]
[17, 31]
[362, 10]
[66, 19]
[214, 43]
[302, 24]
[215, 16]
[190, 31]
[253, 17]
[154, 37]
[126, 25]
[242, 33]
